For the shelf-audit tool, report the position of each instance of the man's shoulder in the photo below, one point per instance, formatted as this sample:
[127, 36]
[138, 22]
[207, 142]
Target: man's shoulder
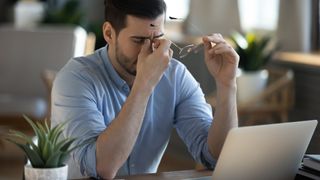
[84, 67]
[176, 65]
[88, 62]
[83, 63]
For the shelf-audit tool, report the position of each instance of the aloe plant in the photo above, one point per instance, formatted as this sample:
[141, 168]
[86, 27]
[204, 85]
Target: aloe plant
[254, 52]
[50, 150]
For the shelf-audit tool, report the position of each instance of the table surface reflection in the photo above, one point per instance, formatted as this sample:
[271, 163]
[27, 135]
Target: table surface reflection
[176, 175]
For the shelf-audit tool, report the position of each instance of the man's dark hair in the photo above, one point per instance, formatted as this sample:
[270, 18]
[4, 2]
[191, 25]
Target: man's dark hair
[116, 11]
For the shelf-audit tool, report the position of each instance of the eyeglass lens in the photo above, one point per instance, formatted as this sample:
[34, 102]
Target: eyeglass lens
[186, 50]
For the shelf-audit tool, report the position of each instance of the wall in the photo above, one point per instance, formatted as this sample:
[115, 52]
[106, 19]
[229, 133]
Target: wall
[307, 93]
[294, 26]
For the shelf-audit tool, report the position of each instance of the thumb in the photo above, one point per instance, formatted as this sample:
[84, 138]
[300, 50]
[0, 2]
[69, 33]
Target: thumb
[206, 42]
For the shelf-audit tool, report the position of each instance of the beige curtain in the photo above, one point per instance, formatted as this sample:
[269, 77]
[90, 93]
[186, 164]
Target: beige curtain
[210, 16]
[294, 28]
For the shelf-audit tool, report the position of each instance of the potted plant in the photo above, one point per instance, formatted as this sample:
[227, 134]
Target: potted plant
[255, 52]
[47, 152]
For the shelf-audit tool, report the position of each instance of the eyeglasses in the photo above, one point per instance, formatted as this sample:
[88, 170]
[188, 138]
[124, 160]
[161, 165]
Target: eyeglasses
[186, 50]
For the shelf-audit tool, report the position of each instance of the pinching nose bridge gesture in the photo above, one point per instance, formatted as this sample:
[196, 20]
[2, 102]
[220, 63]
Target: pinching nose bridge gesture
[153, 60]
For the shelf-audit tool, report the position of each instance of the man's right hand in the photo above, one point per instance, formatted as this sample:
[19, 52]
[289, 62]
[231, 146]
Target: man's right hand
[116, 143]
[153, 60]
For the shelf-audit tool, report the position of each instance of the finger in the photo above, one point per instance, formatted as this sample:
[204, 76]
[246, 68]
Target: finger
[146, 48]
[220, 35]
[207, 44]
[170, 53]
[156, 43]
[164, 45]
[224, 50]
[221, 45]
[216, 38]
[152, 42]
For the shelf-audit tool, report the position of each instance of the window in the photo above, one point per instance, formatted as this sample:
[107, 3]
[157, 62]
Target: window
[177, 8]
[258, 14]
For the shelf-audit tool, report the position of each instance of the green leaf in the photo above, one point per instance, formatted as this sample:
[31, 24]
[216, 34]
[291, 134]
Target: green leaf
[34, 157]
[256, 54]
[46, 125]
[239, 40]
[41, 140]
[51, 150]
[33, 125]
[42, 128]
[47, 150]
[56, 132]
[60, 144]
[66, 154]
[53, 160]
[63, 158]
[67, 144]
[88, 141]
[24, 137]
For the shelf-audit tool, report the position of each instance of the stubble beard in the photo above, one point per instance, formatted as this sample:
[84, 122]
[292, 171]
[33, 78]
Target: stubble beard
[124, 61]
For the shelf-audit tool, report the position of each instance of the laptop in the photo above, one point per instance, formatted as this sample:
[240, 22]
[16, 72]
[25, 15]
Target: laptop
[272, 151]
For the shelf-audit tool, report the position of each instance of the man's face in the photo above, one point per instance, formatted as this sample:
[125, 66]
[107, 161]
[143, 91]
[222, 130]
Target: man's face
[130, 40]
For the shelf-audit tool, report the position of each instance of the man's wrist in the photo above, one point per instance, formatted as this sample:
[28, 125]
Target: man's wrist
[227, 86]
[142, 86]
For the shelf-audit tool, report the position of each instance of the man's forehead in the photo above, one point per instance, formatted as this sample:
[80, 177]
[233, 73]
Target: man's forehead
[144, 28]
[143, 22]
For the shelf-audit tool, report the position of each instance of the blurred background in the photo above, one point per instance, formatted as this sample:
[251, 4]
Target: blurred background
[278, 42]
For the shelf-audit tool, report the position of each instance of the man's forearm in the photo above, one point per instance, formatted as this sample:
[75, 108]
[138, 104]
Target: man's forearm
[225, 117]
[115, 144]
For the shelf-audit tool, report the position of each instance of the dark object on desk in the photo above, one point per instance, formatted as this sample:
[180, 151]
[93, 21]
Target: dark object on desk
[312, 161]
[310, 168]
[307, 173]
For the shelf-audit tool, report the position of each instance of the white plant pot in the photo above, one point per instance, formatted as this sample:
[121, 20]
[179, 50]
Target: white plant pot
[31, 173]
[250, 84]
[28, 14]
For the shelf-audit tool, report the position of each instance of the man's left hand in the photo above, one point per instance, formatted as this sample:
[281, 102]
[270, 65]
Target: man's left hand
[221, 59]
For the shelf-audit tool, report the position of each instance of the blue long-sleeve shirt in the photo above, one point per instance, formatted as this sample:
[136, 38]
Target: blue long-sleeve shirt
[89, 93]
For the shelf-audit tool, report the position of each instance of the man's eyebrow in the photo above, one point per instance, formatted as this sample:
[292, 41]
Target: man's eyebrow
[144, 37]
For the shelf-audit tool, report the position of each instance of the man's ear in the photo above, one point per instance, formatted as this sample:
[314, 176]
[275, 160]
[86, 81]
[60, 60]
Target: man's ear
[108, 32]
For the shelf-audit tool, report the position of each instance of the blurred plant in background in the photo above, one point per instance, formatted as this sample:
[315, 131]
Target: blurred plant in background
[254, 51]
[70, 12]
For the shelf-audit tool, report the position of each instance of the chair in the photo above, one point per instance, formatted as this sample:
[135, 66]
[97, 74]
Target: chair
[273, 104]
[24, 54]
[47, 77]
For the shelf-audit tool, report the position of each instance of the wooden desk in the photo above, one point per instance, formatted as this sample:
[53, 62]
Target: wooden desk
[179, 175]
[176, 175]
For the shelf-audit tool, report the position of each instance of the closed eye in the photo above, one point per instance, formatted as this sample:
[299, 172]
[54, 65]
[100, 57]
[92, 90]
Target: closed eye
[138, 41]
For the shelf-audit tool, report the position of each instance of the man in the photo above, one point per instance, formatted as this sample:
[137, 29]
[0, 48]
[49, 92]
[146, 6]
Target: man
[129, 95]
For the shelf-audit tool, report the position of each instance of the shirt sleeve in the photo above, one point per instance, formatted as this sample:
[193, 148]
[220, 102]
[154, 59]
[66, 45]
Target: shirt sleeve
[73, 100]
[193, 118]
